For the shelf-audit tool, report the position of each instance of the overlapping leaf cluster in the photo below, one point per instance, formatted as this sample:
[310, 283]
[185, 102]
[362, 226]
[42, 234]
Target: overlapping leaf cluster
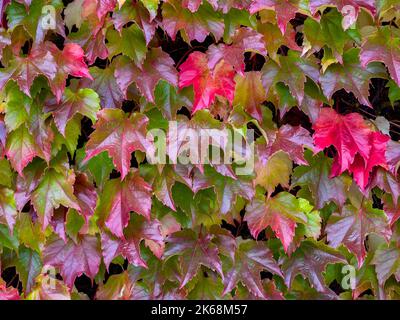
[78, 196]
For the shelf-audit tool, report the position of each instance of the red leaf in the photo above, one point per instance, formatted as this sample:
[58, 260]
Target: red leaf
[157, 65]
[195, 26]
[86, 196]
[207, 84]
[361, 168]
[119, 198]
[73, 259]
[340, 4]
[138, 230]
[392, 156]
[348, 134]
[135, 11]
[352, 226]
[310, 260]
[281, 212]
[244, 40]
[359, 149]
[119, 136]
[9, 293]
[285, 10]
[383, 46]
[40, 61]
[192, 5]
[20, 148]
[291, 140]
[69, 62]
[194, 249]
[251, 258]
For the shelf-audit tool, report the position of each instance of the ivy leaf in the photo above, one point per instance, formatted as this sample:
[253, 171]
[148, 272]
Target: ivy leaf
[121, 42]
[44, 291]
[26, 183]
[285, 10]
[273, 171]
[348, 134]
[169, 99]
[351, 76]
[192, 26]
[84, 101]
[353, 225]
[382, 44]
[29, 267]
[291, 140]
[274, 39]
[24, 70]
[20, 148]
[93, 44]
[135, 11]
[193, 250]
[357, 146]
[139, 229]
[98, 168]
[117, 287]
[7, 239]
[53, 190]
[387, 262]
[101, 7]
[105, 85]
[157, 65]
[6, 176]
[315, 176]
[310, 260]
[69, 61]
[17, 106]
[327, 32]
[119, 198]
[192, 5]
[41, 131]
[227, 5]
[151, 6]
[250, 93]
[8, 210]
[360, 168]
[392, 155]
[281, 212]
[341, 4]
[119, 135]
[292, 71]
[206, 286]
[86, 196]
[162, 181]
[9, 293]
[207, 84]
[387, 182]
[73, 14]
[229, 188]
[73, 259]
[250, 259]
[244, 40]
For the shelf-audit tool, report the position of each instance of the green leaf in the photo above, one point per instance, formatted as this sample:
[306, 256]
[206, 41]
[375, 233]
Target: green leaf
[7, 239]
[29, 267]
[53, 190]
[130, 42]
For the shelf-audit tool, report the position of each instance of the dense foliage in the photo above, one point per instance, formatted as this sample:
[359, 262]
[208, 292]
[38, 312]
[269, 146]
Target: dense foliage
[85, 214]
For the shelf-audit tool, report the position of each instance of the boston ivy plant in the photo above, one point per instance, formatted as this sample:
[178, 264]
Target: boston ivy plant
[90, 90]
